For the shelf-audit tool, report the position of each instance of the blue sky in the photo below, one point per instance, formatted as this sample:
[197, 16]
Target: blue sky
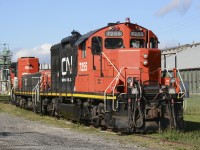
[30, 27]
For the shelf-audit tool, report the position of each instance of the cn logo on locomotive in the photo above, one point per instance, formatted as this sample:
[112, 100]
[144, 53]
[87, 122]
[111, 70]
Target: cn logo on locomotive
[66, 65]
[66, 68]
[28, 67]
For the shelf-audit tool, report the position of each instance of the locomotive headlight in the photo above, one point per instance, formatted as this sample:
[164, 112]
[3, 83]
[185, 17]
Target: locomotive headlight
[129, 80]
[145, 55]
[145, 62]
[172, 90]
[172, 80]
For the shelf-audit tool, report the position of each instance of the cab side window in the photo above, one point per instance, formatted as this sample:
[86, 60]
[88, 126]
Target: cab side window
[83, 50]
[96, 45]
[114, 43]
[153, 42]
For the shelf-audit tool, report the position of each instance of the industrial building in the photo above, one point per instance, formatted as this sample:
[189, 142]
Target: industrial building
[188, 63]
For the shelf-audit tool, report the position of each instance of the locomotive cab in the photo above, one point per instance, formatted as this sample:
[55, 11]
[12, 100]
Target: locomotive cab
[118, 49]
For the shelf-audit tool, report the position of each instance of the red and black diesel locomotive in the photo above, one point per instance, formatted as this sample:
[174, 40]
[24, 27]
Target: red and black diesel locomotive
[110, 77]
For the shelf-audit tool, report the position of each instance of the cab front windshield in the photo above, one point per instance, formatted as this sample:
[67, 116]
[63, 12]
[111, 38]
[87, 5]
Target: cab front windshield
[137, 43]
[114, 43]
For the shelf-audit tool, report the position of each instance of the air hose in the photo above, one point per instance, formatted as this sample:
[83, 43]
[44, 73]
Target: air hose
[173, 114]
[137, 107]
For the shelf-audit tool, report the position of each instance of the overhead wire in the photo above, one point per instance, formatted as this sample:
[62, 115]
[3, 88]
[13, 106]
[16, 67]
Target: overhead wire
[182, 24]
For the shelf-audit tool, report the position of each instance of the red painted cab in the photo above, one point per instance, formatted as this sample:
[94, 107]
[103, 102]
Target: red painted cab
[26, 65]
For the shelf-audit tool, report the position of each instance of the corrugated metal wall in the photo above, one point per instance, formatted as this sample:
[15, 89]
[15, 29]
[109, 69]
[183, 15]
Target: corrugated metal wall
[188, 63]
[193, 78]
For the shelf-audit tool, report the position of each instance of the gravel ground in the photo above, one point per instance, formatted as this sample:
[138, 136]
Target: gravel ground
[20, 134]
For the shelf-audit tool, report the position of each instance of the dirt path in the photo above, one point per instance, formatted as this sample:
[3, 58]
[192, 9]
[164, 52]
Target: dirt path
[18, 134]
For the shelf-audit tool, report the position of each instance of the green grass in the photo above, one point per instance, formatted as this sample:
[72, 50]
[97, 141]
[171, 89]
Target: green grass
[193, 105]
[191, 135]
[192, 114]
[11, 109]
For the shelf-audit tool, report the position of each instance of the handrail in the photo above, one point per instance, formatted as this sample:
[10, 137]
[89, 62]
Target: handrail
[36, 91]
[116, 79]
[105, 105]
[11, 93]
[167, 71]
[42, 83]
[181, 91]
[184, 102]
[105, 93]
[110, 62]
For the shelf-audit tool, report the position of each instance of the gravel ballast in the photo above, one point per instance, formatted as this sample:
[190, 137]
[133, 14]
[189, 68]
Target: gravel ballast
[19, 134]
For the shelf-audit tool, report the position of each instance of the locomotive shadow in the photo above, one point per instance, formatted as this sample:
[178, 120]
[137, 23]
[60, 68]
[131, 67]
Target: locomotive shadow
[192, 126]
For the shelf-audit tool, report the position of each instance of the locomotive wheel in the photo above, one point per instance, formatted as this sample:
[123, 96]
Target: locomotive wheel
[55, 112]
[95, 117]
[179, 117]
[52, 112]
[98, 115]
[29, 104]
[22, 103]
[13, 99]
[35, 108]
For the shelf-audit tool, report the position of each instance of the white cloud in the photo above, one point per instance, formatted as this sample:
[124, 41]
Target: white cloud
[42, 52]
[182, 6]
[185, 6]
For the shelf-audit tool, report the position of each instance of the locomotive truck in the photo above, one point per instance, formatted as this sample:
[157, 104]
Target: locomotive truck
[110, 77]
